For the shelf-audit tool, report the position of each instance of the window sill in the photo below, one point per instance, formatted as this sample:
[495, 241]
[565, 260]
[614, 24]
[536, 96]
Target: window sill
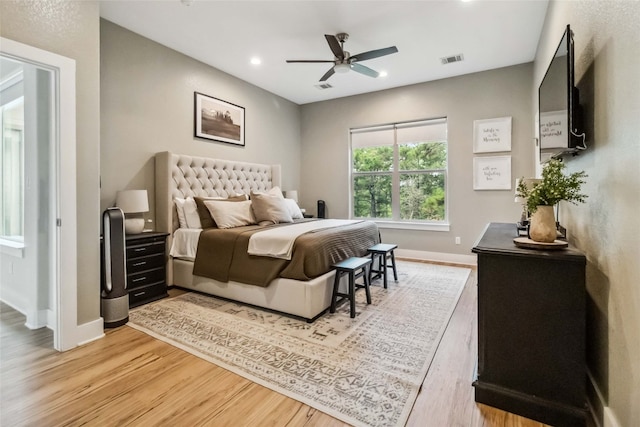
[11, 247]
[422, 226]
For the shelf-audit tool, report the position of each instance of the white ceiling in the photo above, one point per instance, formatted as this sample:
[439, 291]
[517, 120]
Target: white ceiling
[227, 34]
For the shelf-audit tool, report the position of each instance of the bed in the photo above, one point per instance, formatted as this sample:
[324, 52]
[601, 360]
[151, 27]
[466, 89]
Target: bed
[306, 295]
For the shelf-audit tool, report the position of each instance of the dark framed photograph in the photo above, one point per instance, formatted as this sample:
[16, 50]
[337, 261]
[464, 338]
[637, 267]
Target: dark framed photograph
[218, 120]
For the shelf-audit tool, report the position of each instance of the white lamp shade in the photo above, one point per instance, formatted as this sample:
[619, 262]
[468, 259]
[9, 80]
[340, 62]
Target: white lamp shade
[132, 201]
[292, 194]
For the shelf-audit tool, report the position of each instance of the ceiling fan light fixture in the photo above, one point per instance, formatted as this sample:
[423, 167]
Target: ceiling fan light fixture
[342, 68]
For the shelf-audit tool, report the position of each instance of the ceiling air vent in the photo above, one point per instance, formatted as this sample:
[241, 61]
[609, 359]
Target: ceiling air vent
[450, 59]
[323, 86]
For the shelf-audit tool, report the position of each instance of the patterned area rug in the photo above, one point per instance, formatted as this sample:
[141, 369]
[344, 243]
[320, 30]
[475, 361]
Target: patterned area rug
[365, 371]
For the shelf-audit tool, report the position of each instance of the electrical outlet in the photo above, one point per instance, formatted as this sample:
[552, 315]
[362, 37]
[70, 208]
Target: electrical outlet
[457, 240]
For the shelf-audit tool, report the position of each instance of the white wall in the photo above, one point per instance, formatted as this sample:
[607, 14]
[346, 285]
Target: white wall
[607, 51]
[490, 94]
[19, 266]
[147, 106]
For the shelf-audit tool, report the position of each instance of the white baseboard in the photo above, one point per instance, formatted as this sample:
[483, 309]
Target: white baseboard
[90, 331]
[44, 318]
[437, 257]
[609, 417]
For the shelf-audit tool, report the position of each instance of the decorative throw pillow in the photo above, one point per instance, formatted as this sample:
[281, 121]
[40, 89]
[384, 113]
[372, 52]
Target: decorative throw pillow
[206, 221]
[229, 215]
[294, 209]
[270, 208]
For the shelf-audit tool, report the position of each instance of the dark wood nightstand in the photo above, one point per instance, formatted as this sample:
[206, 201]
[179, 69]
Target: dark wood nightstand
[146, 267]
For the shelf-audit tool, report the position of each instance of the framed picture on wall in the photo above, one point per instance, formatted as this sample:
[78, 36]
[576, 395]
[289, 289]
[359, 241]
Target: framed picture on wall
[218, 120]
[492, 135]
[492, 173]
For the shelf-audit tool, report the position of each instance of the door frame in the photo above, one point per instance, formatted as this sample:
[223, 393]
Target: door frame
[65, 278]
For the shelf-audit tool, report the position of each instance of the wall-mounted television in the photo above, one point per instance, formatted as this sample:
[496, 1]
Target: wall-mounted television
[560, 114]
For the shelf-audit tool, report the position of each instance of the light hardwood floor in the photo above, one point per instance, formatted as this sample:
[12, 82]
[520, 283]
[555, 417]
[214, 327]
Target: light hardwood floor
[130, 378]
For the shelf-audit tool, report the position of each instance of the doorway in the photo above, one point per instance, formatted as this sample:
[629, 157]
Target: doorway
[38, 272]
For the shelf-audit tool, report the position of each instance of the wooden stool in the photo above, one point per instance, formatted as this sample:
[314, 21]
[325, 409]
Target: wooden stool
[355, 267]
[382, 251]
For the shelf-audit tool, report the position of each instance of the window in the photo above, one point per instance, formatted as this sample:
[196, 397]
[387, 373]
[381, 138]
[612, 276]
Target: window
[12, 157]
[399, 172]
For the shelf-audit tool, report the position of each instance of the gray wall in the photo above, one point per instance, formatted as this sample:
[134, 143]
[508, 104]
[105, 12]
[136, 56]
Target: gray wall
[147, 106]
[497, 93]
[607, 50]
[71, 29]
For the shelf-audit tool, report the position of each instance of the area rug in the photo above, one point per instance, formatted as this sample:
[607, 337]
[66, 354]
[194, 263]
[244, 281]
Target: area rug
[365, 371]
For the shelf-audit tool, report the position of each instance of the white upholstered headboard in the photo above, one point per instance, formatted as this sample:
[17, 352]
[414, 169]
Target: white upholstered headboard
[182, 176]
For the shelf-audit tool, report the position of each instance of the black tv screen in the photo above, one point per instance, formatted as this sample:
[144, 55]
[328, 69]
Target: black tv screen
[559, 109]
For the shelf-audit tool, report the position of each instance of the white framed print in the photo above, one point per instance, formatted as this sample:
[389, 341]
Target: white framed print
[492, 173]
[492, 135]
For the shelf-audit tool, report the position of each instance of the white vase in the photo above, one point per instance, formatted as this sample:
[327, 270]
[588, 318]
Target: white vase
[543, 225]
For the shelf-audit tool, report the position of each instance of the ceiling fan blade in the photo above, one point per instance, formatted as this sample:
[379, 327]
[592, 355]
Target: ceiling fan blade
[327, 75]
[374, 53]
[334, 44]
[364, 70]
[308, 60]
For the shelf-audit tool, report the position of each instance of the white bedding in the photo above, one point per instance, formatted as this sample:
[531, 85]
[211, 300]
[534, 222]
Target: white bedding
[278, 242]
[185, 243]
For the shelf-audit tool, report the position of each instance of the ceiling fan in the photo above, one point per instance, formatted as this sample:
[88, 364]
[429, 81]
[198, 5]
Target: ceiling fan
[343, 61]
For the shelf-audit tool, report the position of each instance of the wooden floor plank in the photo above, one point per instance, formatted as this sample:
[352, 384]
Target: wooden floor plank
[130, 378]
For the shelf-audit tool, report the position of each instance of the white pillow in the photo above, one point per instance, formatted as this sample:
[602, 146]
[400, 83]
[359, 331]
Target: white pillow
[275, 191]
[294, 209]
[229, 215]
[188, 213]
[180, 210]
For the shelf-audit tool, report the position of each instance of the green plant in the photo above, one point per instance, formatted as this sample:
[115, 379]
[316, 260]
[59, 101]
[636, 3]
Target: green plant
[555, 186]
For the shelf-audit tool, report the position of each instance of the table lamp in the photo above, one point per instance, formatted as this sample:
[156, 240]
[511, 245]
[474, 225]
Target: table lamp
[134, 203]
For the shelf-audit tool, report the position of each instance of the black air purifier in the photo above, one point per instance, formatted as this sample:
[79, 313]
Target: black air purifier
[322, 209]
[114, 301]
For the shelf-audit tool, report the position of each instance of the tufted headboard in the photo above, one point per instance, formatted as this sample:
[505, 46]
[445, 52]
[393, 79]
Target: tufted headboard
[183, 176]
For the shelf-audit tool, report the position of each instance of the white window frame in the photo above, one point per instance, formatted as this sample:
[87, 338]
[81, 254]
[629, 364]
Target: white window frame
[395, 222]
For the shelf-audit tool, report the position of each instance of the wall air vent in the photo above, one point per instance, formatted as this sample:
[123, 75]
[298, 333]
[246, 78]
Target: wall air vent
[450, 59]
[323, 86]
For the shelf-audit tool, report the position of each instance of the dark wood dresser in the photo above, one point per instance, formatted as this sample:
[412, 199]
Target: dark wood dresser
[531, 329]
[146, 267]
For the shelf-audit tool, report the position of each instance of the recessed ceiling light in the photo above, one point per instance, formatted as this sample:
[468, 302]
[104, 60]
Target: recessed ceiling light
[256, 61]
[382, 74]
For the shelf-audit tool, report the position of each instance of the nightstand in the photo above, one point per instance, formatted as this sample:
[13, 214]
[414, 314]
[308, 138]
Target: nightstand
[146, 267]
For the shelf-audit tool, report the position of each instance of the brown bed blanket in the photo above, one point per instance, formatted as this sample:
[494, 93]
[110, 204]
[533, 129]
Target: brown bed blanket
[222, 253]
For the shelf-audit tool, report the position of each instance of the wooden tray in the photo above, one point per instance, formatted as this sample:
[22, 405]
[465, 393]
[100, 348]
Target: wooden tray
[525, 242]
